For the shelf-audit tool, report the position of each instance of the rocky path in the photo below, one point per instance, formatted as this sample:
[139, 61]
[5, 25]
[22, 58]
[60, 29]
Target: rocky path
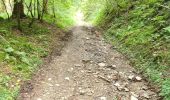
[88, 69]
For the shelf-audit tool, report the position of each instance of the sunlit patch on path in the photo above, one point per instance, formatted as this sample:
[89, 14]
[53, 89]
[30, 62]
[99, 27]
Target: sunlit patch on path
[79, 18]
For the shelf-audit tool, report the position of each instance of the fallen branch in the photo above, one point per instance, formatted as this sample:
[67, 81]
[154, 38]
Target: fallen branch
[103, 78]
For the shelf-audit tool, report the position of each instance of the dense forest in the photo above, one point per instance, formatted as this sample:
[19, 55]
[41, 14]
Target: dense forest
[139, 29]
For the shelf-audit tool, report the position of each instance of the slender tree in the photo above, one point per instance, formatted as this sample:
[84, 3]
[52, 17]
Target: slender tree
[18, 16]
[44, 9]
[45, 6]
[38, 10]
[18, 9]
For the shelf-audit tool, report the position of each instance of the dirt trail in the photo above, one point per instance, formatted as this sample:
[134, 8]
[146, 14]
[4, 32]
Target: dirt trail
[88, 69]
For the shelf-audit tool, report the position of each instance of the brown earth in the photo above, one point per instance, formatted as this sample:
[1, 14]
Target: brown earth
[87, 68]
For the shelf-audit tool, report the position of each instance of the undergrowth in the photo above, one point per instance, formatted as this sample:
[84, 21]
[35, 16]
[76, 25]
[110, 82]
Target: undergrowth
[20, 54]
[140, 29]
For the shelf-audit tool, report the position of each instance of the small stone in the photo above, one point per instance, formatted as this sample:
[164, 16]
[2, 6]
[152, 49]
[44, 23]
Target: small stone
[82, 71]
[97, 81]
[49, 79]
[144, 87]
[133, 98]
[86, 60]
[77, 65]
[82, 92]
[119, 87]
[131, 77]
[138, 78]
[126, 89]
[80, 88]
[102, 64]
[67, 78]
[117, 84]
[91, 61]
[57, 84]
[109, 76]
[145, 95]
[112, 67]
[135, 95]
[87, 38]
[103, 98]
[39, 99]
[70, 70]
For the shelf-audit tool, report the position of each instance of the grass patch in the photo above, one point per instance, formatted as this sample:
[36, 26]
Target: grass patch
[140, 30]
[20, 54]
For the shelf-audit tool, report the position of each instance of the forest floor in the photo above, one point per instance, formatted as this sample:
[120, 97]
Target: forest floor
[87, 68]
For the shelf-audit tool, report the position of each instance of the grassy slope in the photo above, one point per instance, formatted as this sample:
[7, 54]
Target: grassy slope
[141, 30]
[20, 54]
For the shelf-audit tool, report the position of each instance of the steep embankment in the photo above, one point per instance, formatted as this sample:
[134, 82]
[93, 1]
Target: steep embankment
[140, 29]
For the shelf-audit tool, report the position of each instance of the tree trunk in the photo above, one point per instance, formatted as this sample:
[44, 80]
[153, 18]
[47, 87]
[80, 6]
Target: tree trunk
[45, 6]
[44, 9]
[18, 9]
[38, 10]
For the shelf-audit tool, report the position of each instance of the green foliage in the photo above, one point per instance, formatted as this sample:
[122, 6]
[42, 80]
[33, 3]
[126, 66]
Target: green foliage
[140, 29]
[7, 93]
[166, 89]
[90, 8]
[64, 13]
[20, 55]
[59, 12]
[167, 29]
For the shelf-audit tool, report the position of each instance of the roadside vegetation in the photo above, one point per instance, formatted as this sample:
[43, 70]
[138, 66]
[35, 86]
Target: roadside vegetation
[26, 36]
[141, 30]
[20, 55]
[138, 28]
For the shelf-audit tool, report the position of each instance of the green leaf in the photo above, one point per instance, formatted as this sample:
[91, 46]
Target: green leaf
[25, 60]
[20, 53]
[167, 29]
[9, 50]
[7, 57]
